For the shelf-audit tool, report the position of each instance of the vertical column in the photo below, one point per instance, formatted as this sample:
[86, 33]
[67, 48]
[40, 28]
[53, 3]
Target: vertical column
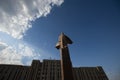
[66, 65]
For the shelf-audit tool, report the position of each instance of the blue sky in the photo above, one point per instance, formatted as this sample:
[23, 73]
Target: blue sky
[93, 26]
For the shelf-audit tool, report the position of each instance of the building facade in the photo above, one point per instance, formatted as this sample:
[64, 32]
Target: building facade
[48, 70]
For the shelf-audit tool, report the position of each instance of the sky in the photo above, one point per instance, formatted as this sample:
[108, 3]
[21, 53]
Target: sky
[30, 29]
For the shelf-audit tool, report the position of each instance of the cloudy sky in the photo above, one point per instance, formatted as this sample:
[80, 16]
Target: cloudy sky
[29, 29]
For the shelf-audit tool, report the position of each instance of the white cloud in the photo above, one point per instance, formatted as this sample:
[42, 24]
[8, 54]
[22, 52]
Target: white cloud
[15, 20]
[16, 15]
[2, 46]
[10, 55]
